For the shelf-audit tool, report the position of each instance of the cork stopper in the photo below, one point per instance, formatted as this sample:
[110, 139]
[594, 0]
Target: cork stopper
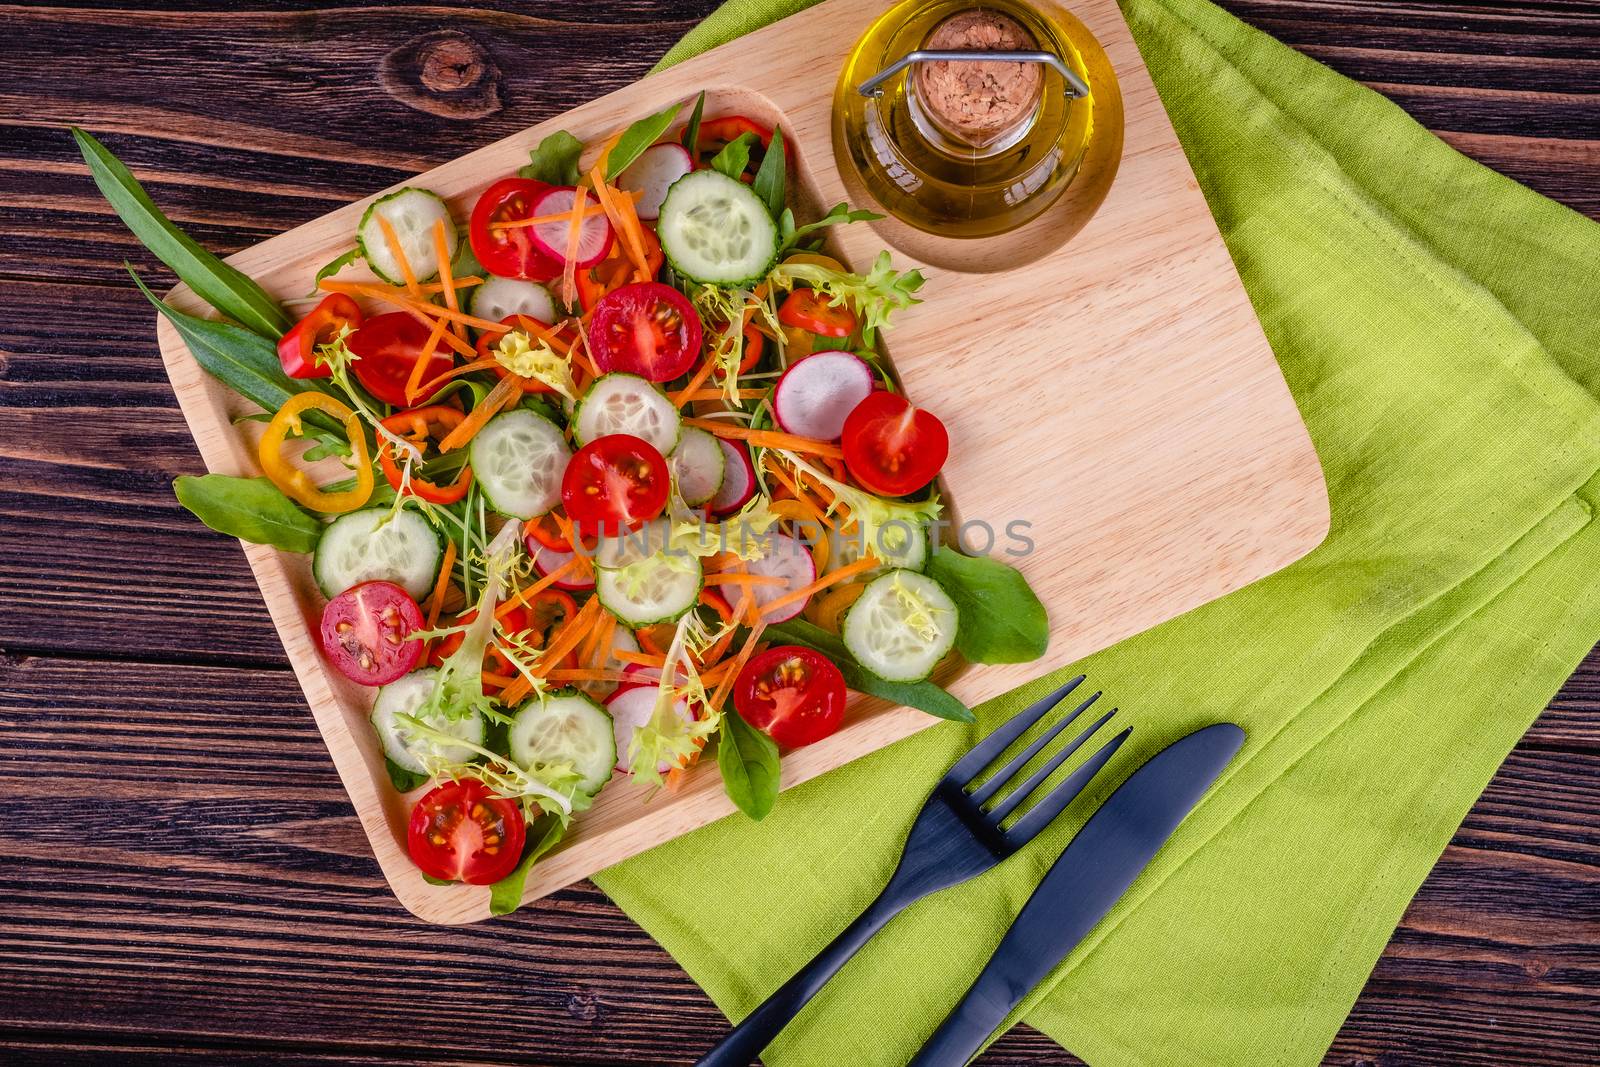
[979, 103]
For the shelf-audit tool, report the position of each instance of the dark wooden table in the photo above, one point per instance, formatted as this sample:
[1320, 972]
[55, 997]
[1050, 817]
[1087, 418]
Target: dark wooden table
[183, 879]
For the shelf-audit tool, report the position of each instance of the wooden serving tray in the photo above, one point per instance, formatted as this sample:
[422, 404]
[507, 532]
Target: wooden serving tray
[1116, 393]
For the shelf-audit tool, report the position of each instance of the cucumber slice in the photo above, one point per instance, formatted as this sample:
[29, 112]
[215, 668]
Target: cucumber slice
[905, 544]
[412, 212]
[697, 466]
[498, 297]
[566, 728]
[369, 544]
[518, 459]
[901, 626]
[404, 697]
[716, 230]
[626, 403]
[659, 588]
[631, 546]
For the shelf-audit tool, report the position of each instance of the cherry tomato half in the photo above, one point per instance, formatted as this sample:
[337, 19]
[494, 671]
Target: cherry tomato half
[806, 309]
[364, 632]
[418, 426]
[461, 832]
[613, 484]
[795, 695]
[646, 328]
[510, 252]
[387, 347]
[297, 349]
[892, 448]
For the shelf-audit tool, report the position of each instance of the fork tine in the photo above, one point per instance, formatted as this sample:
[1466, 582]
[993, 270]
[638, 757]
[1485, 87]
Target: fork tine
[1059, 797]
[1006, 806]
[983, 753]
[1006, 773]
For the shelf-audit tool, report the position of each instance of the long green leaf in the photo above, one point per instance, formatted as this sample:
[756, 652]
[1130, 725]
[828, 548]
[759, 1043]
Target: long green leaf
[505, 896]
[224, 288]
[636, 138]
[770, 176]
[748, 760]
[691, 132]
[251, 509]
[924, 696]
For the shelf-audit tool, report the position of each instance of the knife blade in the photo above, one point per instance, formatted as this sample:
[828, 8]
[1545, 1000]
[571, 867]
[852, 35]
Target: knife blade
[1089, 876]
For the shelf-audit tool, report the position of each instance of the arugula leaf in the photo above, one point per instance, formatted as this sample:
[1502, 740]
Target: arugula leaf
[223, 287]
[334, 267]
[251, 509]
[748, 760]
[505, 896]
[555, 160]
[691, 132]
[403, 780]
[734, 157]
[636, 138]
[466, 264]
[1002, 621]
[924, 696]
[839, 215]
[769, 181]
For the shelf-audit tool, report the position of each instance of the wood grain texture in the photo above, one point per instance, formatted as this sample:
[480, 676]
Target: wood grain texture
[214, 893]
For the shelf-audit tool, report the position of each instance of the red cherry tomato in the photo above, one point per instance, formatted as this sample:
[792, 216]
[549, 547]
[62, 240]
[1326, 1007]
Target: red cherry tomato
[364, 632]
[805, 309]
[646, 328]
[510, 252]
[461, 832]
[614, 483]
[795, 695]
[297, 349]
[387, 347]
[892, 448]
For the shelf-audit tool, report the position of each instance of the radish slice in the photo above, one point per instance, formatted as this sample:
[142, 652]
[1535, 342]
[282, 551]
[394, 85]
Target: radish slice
[594, 241]
[791, 561]
[630, 709]
[738, 480]
[817, 394]
[652, 174]
[547, 560]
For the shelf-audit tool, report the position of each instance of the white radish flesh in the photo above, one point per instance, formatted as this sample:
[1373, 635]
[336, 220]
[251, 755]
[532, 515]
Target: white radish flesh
[552, 238]
[738, 480]
[652, 174]
[817, 394]
[630, 709]
[791, 561]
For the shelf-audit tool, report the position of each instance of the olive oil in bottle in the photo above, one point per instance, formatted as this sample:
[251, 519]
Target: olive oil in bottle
[973, 147]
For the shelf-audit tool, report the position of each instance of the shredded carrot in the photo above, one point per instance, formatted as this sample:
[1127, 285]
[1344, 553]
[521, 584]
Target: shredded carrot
[441, 248]
[635, 232]
[499, 681]
[334, 285]
[392, 239]
[820, 512]
[738, 662]
[626, 223]
[506, 391]
[580, 350]
[643, 659]
[849, 570]
[587, 674]
[460, 347]
[743, 579]
[597, 646]
[521, 597]
[476, 365]
[687, 393]
[540, 220]
[569, 273]
[414, 380]
[571, 634]
[405, 300]
[442, 583]
[766, 438]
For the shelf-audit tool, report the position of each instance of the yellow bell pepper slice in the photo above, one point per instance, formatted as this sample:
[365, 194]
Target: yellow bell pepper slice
[298, 484]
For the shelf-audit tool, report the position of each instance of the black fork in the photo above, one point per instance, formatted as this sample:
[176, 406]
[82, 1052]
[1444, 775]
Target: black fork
[953, 839]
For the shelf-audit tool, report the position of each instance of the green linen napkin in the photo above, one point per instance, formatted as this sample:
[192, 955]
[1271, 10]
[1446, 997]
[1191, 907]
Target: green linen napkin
[1435, 324]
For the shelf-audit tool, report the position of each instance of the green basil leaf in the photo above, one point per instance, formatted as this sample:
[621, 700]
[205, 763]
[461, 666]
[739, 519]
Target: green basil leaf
[748, 760]
[636, 138]
[691, 132]
[735, 156]
[505, 896]
[466, 264]
[770, 176]
[1002, 621]
[251, 509]
[924, 696]
[402, 779]
[555, 160]
[223, 287]
[333, 267]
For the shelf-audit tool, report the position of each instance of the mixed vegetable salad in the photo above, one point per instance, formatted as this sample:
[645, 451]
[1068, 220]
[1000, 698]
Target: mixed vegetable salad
[617, 474]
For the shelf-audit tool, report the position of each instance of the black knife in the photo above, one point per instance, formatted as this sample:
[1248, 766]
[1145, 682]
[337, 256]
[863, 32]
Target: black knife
[1090, 875]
